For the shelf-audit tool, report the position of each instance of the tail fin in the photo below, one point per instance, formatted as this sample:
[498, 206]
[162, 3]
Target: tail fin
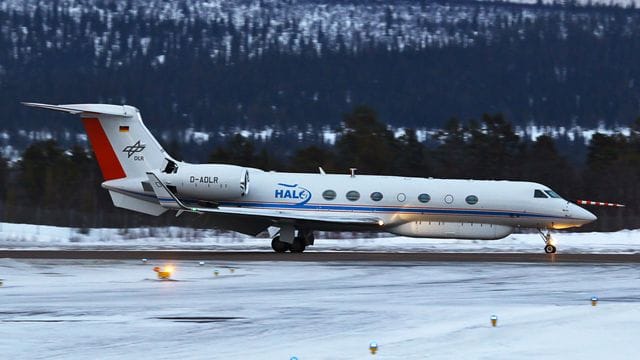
[124, 147]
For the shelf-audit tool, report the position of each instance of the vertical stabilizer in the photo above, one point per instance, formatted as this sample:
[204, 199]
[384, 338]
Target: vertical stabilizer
[123, 145]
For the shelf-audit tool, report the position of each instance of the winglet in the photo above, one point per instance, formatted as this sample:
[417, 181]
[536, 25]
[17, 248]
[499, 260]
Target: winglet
[165, 197]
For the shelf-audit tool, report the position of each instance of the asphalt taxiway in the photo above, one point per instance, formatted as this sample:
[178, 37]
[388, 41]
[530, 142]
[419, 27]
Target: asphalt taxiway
[324, 256]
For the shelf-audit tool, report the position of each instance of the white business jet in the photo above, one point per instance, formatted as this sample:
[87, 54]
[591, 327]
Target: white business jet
[142, 177]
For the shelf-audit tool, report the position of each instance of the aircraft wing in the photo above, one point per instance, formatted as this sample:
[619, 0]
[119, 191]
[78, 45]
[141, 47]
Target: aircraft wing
[168, 200]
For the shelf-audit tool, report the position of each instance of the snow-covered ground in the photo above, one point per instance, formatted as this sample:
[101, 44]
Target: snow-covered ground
[23, 236]
[116, 309]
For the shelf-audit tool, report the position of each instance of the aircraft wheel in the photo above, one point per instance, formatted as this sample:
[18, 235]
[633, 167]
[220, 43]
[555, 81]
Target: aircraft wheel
[550, 249]
[298, 245]
[279, 246]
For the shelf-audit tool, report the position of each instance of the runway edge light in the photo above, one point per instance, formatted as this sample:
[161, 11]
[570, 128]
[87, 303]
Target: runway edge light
[594, 300]
[373, 347]
[164, 274]
[494, 320]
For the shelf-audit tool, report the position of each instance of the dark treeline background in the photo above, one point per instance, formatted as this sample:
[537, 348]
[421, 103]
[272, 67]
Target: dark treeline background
[52, 185]
[300, 64]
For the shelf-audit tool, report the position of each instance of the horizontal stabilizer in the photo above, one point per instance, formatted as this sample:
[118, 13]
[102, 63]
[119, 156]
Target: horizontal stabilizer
[131, 203]
[88, 109]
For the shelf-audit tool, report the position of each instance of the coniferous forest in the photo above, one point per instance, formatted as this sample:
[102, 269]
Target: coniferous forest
[303, 63]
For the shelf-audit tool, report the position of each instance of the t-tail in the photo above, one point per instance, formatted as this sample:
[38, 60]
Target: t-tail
[125, 150]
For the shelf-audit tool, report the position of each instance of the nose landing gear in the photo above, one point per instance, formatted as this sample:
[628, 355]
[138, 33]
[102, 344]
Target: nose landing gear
[550, 247]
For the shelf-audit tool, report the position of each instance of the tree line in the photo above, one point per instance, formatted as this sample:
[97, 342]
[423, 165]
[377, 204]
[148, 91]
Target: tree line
[57, 186]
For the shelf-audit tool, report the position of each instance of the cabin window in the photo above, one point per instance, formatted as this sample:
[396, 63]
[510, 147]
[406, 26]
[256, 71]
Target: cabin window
[539, 194]
[552, 194]
[376, 196]
[329, 195]
[353, 195]
[424, 198]
[471, 199]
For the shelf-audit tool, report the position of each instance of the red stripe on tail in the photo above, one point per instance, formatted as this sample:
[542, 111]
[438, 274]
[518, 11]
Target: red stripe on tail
[107, 159]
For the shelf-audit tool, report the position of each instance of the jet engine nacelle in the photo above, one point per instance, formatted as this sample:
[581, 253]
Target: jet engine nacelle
[209, 182]
[454, 230]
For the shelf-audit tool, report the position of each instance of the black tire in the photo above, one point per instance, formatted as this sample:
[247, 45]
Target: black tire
[279, 246]
[550, 249]
[298, 245]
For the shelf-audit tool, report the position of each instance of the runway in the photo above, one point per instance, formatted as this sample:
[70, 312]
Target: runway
[118, 309]
[324, 256]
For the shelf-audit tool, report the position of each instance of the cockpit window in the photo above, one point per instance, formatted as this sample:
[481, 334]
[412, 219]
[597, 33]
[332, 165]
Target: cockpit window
[552, 194]
[539, 194]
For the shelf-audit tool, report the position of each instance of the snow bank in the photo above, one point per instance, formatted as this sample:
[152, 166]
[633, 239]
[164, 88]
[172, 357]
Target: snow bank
[27, 236]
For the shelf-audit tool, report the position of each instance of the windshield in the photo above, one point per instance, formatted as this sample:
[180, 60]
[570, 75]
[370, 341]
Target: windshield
[539, 194]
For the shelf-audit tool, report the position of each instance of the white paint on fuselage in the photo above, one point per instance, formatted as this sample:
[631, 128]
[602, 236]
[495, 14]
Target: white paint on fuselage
[507, 203]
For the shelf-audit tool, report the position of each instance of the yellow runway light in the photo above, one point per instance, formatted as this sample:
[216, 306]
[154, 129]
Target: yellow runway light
[164, 274]
[494, 320]
[373, 347]
[594, 300]
[216, 272]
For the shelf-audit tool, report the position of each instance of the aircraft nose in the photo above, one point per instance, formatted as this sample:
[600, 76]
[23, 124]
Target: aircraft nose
[582, 215]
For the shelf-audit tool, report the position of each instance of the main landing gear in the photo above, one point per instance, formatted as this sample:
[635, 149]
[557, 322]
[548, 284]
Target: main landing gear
[549, 247]
[297, 246]
[290, 239]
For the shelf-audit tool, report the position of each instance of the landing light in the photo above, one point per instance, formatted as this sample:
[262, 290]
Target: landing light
[380, 222]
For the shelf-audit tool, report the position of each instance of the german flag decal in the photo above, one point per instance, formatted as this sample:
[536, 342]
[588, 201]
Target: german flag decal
[124, 129]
